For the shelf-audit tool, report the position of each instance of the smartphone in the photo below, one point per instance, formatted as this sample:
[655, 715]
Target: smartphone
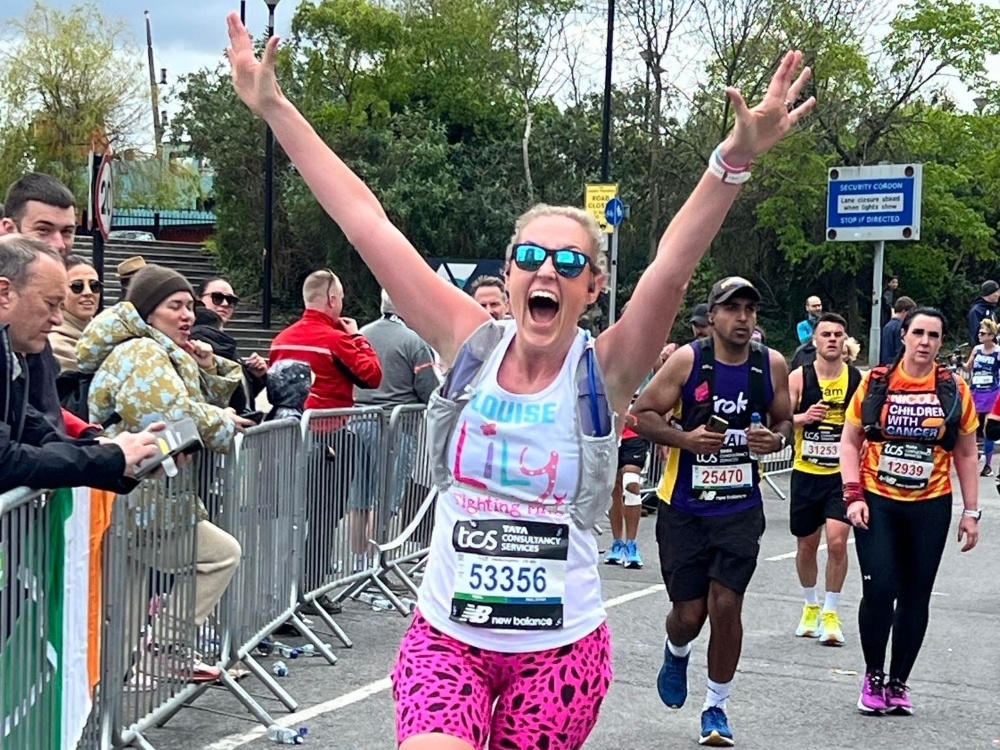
[253, 416]
[717, 424]
[176, 438]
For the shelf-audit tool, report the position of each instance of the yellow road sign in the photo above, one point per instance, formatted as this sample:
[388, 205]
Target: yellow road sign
[596, 197]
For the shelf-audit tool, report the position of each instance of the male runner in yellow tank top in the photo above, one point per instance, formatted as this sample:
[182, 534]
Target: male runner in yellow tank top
[819, 393]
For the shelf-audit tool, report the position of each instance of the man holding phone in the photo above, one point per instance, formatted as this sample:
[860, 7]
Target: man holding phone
[711, 520]
[820, 392]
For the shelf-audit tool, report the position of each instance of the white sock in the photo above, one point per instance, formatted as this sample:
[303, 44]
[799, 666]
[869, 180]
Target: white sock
[810, 595]
[679, 651]
[831, 601]
[717, 695]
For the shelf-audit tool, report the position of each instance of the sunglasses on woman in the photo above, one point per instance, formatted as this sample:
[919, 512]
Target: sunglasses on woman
[568, 263]
[77, 286]
[218, 298]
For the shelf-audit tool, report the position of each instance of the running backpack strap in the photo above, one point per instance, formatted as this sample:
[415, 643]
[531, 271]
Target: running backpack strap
[704, 384]
[947, 393]
[871, 407]
[811, 393]
[758, 383]
[593, 407]
[853, 381]
[467, 369]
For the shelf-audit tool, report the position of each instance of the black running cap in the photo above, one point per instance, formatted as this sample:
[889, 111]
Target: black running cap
[729, 287]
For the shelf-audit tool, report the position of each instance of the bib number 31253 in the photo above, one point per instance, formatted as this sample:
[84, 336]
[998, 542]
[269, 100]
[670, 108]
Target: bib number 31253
[510, 574]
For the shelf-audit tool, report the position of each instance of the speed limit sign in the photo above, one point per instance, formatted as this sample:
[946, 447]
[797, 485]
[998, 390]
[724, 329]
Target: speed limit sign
[104, 195]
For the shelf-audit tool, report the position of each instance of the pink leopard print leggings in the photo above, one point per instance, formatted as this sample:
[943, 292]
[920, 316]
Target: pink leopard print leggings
[545, 700]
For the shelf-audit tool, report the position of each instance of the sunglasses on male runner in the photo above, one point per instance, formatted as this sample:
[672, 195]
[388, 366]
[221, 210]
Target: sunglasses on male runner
[77, 286]
[218, 298]
[568, 263]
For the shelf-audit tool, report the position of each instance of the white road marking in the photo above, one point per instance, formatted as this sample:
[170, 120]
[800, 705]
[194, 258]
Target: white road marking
[791, 555]
[234, 741]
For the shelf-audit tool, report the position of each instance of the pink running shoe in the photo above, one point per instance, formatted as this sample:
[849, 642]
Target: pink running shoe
[897, 698]
[872, 700]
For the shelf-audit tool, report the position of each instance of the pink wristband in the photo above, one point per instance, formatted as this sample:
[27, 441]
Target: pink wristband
[717, 155]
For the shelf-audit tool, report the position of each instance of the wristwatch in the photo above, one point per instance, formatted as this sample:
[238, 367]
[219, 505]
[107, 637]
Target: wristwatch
[784, 442]
[977, 514]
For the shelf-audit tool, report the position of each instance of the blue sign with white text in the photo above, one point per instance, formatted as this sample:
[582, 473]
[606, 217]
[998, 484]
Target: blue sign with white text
[870, 203]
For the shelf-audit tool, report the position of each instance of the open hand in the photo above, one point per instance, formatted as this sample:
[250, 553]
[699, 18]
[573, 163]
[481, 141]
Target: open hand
[253, 79]
[969, 529]
[758, 129]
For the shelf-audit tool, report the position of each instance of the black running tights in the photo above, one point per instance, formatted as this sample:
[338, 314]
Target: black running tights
[899, 556]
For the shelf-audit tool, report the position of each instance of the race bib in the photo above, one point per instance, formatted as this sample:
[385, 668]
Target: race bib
[821, 447]
[510, 574]
[724, 476]
[906, 466]
[982, 380]
[720, 477]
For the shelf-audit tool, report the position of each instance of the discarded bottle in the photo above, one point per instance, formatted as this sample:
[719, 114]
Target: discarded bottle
[378, 603]
[280, 669]
[286, 736]
[410, 604]
[755, 424]
[287, 652]
[310, 650]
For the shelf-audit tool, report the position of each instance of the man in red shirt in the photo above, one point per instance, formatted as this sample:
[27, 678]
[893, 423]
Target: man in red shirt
[340, 358]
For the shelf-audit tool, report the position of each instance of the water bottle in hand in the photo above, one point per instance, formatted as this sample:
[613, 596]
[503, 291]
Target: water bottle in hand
[755, 424]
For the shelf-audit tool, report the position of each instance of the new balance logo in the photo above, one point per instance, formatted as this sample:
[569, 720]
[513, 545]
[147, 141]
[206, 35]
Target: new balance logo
[475, 614]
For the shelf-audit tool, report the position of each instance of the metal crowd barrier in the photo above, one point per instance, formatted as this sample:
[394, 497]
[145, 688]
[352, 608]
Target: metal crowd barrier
[777, 463]
[343, 472]
[29, 659]
[150, 563]
[407, 509]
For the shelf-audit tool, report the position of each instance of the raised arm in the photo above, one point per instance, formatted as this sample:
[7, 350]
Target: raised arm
[629, 348]
[442, 314]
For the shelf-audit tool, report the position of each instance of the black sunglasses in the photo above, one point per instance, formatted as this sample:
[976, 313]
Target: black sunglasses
[568, 263]
[218, 298]
[77, 286]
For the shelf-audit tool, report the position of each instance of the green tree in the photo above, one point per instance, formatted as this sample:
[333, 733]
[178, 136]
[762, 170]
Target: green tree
[69, 80]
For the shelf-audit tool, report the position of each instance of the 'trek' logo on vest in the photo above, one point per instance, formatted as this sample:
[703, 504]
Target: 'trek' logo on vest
[725, 406]
[918, 416]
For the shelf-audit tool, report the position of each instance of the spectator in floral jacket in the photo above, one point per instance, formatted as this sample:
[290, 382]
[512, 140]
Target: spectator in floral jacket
[147, 369]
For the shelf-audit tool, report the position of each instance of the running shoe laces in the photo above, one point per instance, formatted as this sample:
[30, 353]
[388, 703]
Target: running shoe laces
[809, 622]
[832, 634]
[616, 554]
[872, 698]
[632, 559]
[897, 697]
[672, 681]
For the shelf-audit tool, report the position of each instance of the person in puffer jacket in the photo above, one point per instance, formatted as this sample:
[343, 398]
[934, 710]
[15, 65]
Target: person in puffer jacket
[147, 369]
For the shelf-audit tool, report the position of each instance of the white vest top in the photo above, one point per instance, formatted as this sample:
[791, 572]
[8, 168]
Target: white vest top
[508, 569]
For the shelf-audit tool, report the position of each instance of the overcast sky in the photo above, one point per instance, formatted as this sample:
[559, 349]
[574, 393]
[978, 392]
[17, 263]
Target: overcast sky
[187, 34]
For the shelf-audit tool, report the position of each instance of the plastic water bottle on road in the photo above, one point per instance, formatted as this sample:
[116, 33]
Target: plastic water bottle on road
[280, 669]
[287, 652]
[286, 736]
[378, 603]
[755, 424]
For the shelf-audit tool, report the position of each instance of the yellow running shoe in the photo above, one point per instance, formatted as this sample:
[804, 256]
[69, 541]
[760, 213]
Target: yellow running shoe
[809, 624]
[832, 635]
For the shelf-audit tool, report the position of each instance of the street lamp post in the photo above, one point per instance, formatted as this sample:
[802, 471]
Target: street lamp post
[268, 195]
[606, 115]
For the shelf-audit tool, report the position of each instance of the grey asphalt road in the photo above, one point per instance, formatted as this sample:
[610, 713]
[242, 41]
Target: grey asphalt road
[789, 693]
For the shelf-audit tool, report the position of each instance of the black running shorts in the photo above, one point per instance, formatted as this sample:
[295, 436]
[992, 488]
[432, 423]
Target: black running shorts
[814, 499]
[697, 549]
[632, 452]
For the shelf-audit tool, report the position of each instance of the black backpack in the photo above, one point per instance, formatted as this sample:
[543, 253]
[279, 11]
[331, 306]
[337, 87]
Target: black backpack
[73, 389]
[878, 389]
[702, 410]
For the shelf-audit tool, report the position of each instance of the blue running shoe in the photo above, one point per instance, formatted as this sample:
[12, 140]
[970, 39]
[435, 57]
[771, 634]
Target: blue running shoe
[672, 681]
[715, 728]
[632, 559]
[616, 554]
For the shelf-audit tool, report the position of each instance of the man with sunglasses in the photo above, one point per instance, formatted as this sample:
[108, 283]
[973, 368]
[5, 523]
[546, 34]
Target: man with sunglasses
[216, 294]
[711, 521]
[40, 206]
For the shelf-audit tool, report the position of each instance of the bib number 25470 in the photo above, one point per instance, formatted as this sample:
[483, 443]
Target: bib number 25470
[510, 575]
